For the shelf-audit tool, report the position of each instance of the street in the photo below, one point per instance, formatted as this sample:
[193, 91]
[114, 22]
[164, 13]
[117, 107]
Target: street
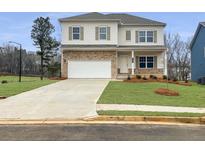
[101, 132]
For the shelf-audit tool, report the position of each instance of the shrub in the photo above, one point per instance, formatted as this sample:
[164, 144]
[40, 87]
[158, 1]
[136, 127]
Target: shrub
[175, 79]
[54, 70]
[151, 76]
[199, 80]
[144, 78]
[128, 78]
[164, 77]
[154, 77]
[4, 81]
[138, 76]
[186, 81]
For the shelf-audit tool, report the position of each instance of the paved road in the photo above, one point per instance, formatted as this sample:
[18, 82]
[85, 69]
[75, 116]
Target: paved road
[101, 132]
[68, 99]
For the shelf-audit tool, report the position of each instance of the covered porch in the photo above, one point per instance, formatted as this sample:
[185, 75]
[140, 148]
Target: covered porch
[141, 62]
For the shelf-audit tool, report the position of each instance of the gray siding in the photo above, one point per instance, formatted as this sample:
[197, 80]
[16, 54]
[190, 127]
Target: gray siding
[197, 56]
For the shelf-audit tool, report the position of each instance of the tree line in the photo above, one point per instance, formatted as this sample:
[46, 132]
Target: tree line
[9, 62]
[45, 61]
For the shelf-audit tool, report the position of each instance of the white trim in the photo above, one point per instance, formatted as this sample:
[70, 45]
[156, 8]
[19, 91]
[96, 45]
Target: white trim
[76, 33]
[102, 33]
[145, 36]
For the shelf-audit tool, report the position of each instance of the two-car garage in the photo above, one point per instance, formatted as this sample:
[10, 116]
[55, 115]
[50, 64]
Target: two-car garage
[89, 69]
[89, 64]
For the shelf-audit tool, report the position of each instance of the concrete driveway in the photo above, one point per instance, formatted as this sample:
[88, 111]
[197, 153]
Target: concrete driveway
[68, 99]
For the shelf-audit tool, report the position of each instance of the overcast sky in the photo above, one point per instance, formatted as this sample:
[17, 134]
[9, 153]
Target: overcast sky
[17, 26]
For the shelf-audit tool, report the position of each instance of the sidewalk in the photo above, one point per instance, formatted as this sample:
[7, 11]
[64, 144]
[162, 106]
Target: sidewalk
[151, 108]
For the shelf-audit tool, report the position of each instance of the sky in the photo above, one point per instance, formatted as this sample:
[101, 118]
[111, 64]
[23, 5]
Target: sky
[17, 26]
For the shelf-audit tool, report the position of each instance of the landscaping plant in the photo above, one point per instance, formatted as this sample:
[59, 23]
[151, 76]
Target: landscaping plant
[138, 76]
[4, 81]
[41, 34]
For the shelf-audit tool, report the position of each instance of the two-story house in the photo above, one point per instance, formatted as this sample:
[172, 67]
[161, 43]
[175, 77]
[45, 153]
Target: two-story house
[96, 45]
[198, 53]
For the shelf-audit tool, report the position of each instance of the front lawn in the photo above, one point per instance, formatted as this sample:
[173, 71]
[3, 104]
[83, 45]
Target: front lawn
[142, 113]
[13, 87]
[143, 93]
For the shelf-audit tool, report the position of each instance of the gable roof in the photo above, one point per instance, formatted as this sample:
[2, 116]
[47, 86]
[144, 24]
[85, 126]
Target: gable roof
[124, 19]
[201, 24]
[135, 20]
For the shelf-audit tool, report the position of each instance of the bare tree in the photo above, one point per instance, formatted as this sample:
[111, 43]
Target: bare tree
[178, 57]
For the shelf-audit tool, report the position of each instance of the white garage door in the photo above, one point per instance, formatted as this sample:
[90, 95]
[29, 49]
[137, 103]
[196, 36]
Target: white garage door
[89, 69]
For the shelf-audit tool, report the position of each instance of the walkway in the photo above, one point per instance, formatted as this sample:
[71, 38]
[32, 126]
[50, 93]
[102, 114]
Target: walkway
[123, 107]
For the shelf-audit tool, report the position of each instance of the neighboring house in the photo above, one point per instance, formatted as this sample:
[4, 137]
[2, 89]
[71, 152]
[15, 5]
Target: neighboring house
[198, 53]
[95, 45]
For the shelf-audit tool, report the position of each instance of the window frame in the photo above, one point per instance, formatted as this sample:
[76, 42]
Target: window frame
[75, 32]
[142, 37]
[150, 36]
[146, 62]
[104, 33]
[146, 36]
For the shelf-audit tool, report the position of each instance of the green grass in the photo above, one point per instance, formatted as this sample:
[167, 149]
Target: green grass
[141, 113]
[13, 87]
[143, 93]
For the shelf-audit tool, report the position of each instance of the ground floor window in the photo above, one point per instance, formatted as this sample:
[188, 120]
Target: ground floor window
[146, 61]
[142, 62]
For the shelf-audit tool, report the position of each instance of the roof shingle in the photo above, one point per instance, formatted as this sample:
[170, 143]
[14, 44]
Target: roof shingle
[125, 19]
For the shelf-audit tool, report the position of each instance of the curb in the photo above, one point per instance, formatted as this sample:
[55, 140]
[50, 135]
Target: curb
[110, 120]
[161, 119]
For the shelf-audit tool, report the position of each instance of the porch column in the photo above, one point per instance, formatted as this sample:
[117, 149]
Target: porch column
[133, 63]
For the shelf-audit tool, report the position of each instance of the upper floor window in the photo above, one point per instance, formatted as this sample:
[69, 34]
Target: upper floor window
[142, 36]
[146, 36]
[103, 33]
[150, 36]
[76, 33]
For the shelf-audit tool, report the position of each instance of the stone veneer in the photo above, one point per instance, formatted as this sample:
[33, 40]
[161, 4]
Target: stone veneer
[88, 55]
[148, 72]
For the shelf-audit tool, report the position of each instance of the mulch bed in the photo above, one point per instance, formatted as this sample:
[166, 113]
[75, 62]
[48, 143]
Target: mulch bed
[184, 84]
[134, 80]
[140, 80]
[57, 78]
[166, 92]
[2, 97]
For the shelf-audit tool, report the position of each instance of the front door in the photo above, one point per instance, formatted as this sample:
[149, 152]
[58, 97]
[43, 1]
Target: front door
[123, 64]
